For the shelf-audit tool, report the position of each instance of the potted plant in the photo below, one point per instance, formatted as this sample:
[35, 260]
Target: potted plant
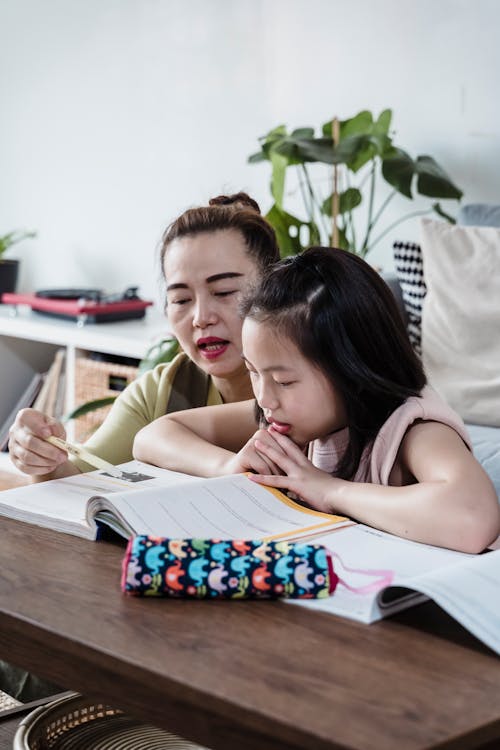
[359, 153]
[9, 268]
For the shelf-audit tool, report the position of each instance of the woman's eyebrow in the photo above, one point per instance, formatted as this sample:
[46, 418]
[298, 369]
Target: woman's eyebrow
[209, 279]
[219, 276]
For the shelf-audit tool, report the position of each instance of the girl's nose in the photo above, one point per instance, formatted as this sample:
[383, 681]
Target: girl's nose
[266, 397]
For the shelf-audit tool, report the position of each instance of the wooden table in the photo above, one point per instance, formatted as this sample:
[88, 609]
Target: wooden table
[243, 675]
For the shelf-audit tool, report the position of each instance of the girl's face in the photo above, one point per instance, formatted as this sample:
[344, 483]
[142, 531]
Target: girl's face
[206, 274]
[295, 396]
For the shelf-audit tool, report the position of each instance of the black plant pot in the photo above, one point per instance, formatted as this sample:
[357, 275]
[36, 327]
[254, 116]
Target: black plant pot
[8, 276]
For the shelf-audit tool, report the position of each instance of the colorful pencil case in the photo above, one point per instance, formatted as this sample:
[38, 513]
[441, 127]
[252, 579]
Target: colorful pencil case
[235, 569]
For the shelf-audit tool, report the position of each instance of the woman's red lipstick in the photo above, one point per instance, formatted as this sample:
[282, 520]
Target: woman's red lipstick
[212, 347]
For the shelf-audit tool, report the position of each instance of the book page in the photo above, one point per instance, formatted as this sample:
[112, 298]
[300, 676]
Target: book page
[231, 507]
[381, 557]
[61, 504]
[470, 592]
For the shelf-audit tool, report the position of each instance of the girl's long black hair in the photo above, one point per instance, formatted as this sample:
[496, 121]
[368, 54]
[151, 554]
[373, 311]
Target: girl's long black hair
[343, 317]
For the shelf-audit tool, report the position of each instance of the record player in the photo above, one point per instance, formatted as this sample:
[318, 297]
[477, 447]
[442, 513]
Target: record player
[82, 305]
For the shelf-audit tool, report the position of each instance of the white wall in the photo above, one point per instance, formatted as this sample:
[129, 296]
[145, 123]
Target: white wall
[115, 115]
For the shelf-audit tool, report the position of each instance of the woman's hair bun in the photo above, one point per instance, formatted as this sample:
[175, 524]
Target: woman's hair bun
[239, 200]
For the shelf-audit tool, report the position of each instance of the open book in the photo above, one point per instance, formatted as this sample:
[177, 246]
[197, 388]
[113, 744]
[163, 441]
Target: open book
[466, 586]
[163, 503]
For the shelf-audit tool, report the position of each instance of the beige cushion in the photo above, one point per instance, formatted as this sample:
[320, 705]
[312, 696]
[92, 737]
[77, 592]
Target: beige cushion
[461, 317]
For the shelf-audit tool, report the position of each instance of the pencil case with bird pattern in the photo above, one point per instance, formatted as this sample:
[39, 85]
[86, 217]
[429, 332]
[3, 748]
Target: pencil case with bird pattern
[232, 569]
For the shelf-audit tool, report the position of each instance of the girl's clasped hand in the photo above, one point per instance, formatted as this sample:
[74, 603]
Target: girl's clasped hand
[293, 471]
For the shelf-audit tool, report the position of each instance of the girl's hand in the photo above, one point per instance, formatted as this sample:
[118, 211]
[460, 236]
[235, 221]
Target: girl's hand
[252, 459]
[28, 450]
[295, 472]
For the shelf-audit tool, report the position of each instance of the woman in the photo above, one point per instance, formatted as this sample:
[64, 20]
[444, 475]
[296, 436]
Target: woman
[209, 255]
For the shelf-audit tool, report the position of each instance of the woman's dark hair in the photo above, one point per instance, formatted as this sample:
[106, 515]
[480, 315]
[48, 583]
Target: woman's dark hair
[343, 317]
[239, 212]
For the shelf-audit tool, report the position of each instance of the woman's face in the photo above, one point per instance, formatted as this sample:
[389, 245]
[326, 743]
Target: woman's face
[206, 274]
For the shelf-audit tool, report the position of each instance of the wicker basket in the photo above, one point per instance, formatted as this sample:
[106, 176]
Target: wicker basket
[76, 723]
[94, 380]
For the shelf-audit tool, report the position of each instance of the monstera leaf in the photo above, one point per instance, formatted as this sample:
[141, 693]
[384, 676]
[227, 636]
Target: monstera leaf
[290, 231]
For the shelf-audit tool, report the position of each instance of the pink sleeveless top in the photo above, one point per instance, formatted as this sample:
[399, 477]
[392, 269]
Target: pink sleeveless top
[378, 457]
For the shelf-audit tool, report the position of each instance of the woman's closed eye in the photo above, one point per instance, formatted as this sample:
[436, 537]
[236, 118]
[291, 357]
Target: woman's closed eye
[226, 293]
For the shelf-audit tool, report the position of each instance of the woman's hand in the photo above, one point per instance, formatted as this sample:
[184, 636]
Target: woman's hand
[28, 450]
[293, 471]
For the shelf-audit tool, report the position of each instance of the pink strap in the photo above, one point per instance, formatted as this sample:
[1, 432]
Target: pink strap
[385, 578]
[125, 562]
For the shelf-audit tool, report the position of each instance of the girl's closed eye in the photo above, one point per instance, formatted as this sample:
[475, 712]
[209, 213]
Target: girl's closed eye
[227, 293]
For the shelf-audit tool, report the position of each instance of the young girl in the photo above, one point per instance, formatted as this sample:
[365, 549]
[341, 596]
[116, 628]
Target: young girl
[344, 418]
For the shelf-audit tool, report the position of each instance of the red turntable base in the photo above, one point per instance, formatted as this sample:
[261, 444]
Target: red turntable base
[81, 310]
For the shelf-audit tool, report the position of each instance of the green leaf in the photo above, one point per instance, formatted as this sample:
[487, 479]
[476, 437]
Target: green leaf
[288, 231]
[369, 147]
[383, 123]
[270, 139]
[348, 201]
[362, 138]
[279, 164]
[259, 156]
[12, 238]
[303, 133]
[162, 351]
[315, 149]
[366, 153]
[90, 406]
[433, 181]
[398, 170]
[286, 147]
[360, 124]
[278, 131]
[351, 150]
[437, 208]
[343, 242]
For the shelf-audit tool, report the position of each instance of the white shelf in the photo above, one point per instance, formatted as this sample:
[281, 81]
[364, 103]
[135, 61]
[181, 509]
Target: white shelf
[29, 340]
[130, 338]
